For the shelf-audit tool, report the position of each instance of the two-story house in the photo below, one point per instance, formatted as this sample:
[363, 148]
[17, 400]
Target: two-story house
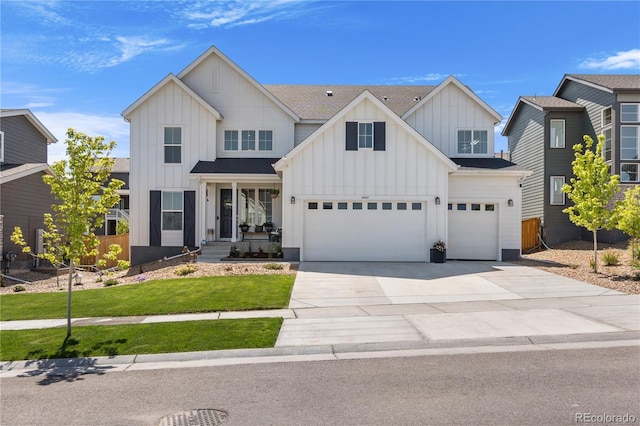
[24, 197]
[360, 172]
[542, 130]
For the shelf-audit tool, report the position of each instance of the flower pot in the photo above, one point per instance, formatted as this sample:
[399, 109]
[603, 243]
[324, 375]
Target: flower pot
[438, 256]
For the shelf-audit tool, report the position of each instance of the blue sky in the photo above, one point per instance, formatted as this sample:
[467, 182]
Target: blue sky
[81, 63]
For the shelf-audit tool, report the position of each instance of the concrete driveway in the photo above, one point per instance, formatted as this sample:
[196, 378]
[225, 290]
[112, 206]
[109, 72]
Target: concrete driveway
[363, 302]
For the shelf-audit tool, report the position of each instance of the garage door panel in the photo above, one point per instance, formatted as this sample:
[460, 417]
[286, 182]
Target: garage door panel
[473, 234]
[364, 235]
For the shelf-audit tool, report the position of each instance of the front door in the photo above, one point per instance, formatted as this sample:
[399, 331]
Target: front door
[226, 214]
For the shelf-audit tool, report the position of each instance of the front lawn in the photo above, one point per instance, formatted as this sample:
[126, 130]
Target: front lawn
[182, 295]
[108, 340]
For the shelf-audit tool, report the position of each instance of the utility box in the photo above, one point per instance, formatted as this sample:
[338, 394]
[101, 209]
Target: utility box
[39, 242]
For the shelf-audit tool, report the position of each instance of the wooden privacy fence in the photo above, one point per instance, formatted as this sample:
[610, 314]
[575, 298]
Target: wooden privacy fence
[530, 230]
[105, 241]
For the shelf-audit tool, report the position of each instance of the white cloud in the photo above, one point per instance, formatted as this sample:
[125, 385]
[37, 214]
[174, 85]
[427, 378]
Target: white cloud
[110, 126]
[205, 14]
[419, 78]
[621, 60]
[26, 95]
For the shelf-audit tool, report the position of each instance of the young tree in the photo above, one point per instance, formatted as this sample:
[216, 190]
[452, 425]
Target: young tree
[79, 184]
[628, 212]
[591, 190]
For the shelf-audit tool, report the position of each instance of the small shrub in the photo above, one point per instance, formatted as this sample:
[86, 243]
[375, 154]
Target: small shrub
[19, 288]
[99, 279]
[185, 269]
[273, 266]
[610, 258]
[592, 265]
[110, 282]
[635, 250]
[140, 278]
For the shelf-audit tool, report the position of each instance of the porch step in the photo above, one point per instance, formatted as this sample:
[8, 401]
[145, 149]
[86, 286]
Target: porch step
[214, 251]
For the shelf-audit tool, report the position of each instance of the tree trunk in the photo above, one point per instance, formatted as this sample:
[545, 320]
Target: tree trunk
[595, 251]
[70, 286]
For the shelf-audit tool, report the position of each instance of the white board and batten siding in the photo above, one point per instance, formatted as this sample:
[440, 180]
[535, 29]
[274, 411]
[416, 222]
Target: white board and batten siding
[324, 171]
[470, 230]
[448, 111]
[242, 105]
[170, 106]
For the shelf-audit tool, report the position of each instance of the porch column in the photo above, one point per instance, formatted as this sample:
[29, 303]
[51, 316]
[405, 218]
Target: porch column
[234, 211]
[202, 208]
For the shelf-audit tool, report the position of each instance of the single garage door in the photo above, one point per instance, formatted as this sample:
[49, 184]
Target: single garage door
[364, 231]
[473, 231]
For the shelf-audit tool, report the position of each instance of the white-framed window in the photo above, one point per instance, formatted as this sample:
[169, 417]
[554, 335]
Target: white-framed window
[173, 145]
[230, 140]
[265, 140]
[365, 135]
[607, 117]
[630, 113]
[248, 140]
[258, 210]
[607, 144]
[557, 133]
[172, 207]
[1, 146]
[555, 191]
[472, 141]
[629, 172]
[629, 142]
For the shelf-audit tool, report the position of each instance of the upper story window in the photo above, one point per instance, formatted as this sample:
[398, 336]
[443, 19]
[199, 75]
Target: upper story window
[557, 133]
[230, 140]
[472, 141]
[630, 113]
[248, 140]
[245, 140]
[606, 117]
[629, 142]
[555, 191]
[1, 146]
[265, 140]
[365, 135]
[173, 145]
[172, 211]
[607, 144]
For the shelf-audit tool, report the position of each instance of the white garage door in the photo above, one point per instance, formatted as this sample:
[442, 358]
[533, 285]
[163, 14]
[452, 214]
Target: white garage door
[364, 231]
[473, 231]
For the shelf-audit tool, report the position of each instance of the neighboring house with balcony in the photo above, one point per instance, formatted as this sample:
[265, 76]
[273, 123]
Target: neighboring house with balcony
[24, 197]
[120, 211]
[542, 130]
[375, 173]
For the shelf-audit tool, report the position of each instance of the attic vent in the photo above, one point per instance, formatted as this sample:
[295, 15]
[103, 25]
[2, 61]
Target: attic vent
[329, 93]
[385, 98]
[416, 98]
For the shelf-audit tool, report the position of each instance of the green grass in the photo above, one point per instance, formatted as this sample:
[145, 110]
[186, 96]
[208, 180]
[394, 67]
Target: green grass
[107, 340]
[182, 295]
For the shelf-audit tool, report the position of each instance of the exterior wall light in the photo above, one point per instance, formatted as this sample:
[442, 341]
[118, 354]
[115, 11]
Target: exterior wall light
[437, 201]
[510, 202]
[293, 199]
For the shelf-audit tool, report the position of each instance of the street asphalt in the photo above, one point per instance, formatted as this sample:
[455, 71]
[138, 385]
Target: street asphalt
[347, 310]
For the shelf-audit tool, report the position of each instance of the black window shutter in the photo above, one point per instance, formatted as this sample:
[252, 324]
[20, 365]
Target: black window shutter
[189, 218]
[379, 136]
[352, 136]
[155, 218]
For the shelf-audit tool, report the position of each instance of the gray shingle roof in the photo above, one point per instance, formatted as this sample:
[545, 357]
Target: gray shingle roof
[552, 103]
[261, 166]
[310, 102]
[611, 81]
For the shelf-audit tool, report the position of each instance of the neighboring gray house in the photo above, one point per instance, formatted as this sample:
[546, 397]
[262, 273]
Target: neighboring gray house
[543, 129]
[24, 197]
[120, 211]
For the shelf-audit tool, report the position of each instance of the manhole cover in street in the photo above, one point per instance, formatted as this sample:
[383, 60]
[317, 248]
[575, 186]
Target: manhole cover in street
[205, 417]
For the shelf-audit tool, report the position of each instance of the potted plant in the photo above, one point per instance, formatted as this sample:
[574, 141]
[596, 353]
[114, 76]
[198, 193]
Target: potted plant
[244, 227]
[268, 226]
[274, 193]
[258, 228]
[439, 252]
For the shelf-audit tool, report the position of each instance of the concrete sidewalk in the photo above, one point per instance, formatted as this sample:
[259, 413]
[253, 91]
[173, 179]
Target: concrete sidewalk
[412, 308]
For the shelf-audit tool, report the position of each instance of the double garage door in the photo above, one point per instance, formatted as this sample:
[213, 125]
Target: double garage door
[365, 231]
[473, 231]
